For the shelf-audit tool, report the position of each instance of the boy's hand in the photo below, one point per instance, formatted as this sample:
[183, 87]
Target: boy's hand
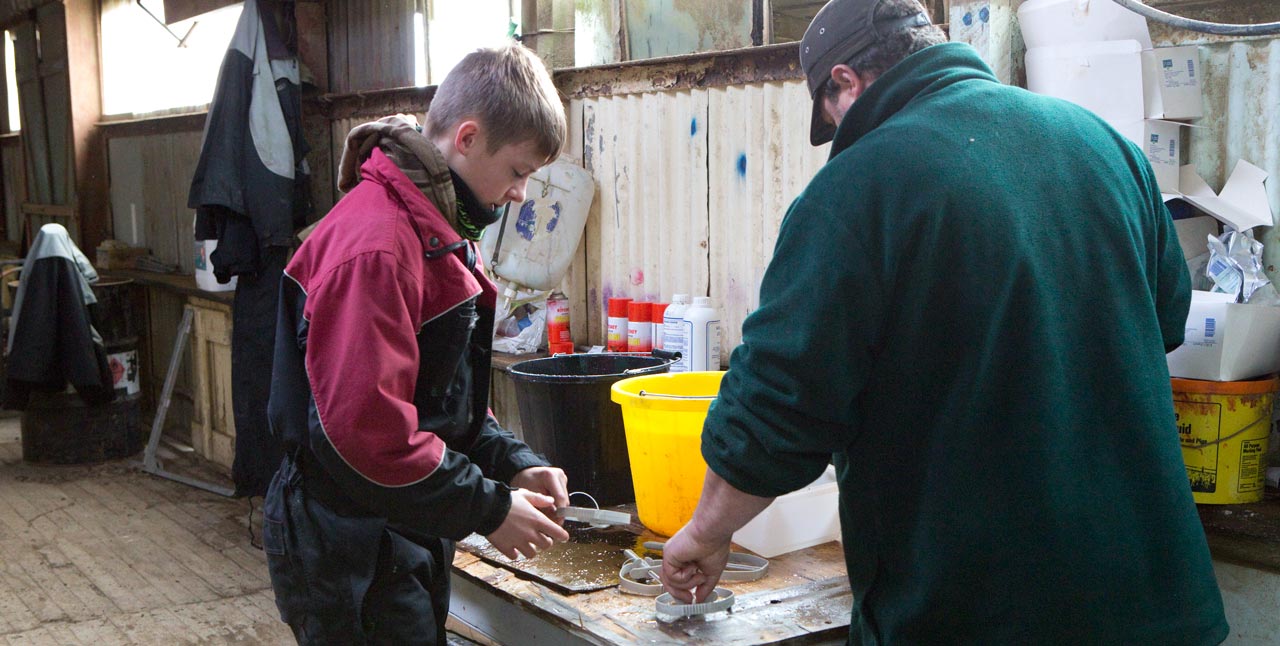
[527, 530]
[548, 481]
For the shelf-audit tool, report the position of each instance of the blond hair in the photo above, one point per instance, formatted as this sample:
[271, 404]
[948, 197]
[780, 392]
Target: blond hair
[509, 91]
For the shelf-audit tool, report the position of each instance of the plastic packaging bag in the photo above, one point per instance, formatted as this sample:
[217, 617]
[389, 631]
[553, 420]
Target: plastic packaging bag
[523, 329]
[1235, 265]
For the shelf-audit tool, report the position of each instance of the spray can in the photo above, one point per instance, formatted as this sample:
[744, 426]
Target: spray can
[656, 313]
[639, 329]
[617, 339]
[559, 336]
[701, 336]
[673, 329]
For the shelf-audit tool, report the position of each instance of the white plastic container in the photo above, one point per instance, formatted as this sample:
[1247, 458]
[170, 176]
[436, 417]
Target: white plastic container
[797, 520]
[204, 268]
[673, 329]
[540, 236]
[701, 334]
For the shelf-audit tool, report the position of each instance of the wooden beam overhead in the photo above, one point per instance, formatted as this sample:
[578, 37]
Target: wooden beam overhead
[179, 10]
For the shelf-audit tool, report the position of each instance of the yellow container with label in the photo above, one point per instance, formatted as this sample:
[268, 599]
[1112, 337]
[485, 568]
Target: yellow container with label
[662, 416]
[1224, 427]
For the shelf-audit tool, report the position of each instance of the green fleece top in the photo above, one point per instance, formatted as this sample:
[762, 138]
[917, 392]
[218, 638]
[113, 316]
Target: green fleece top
[969, 308]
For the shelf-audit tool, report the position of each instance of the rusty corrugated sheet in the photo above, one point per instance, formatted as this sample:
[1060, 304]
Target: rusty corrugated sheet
[1242, 121]
[759, 160]
[647, 236]
[693, 185]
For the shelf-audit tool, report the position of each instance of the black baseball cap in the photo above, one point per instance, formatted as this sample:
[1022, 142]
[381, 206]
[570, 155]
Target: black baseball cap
[841, 30]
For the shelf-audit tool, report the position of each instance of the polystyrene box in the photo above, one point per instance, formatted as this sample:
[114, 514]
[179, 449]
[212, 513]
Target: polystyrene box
[796, 520]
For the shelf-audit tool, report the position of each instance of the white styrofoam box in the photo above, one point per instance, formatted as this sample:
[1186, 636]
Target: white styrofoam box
[797, 520]
[1066, 22]
[1171, 83]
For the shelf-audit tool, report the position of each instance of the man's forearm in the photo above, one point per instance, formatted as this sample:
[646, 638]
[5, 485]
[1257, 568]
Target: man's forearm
[723, 509]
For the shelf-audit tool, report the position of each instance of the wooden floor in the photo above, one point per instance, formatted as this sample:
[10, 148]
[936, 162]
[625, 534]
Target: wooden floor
[108, 555]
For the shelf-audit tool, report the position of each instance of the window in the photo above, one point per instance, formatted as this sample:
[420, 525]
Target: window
[789, 18]
[459, 28]
[11, 80]
[148, 68]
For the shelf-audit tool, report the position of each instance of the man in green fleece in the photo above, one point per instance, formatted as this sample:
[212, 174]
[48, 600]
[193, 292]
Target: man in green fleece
[985, 363]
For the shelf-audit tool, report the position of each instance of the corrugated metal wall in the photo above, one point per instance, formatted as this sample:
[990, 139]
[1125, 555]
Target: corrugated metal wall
[693, 185]
[1242, 121]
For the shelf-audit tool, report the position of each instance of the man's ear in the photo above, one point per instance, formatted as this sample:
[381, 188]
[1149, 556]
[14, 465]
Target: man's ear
[845, 77]
[466, 137]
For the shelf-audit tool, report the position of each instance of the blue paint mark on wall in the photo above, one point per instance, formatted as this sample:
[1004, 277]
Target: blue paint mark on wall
[527, 222]
[693, 127]
[555, 219]
[968, 19]
[985, 15]
[742, 165]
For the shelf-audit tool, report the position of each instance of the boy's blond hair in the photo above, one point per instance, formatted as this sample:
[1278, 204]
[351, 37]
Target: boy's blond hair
[509, 91]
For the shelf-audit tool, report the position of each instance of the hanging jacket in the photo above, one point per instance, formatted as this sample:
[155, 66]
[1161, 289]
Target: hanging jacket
[250, 188]
[51, 336]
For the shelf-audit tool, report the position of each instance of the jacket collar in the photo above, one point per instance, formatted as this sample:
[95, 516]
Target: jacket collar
[436, 231]
[918, 75]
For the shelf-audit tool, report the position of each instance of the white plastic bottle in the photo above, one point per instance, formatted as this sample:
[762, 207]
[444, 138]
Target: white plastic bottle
[701, 336]
[673, 329]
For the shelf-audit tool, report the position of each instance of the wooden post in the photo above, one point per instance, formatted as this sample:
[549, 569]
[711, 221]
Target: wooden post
[91, 191]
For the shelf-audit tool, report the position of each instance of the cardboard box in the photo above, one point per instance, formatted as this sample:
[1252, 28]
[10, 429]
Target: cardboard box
[1243, 203]
[1227, 341]
[1103, 77]
[1065, 22]
[1171, 83]
[116, 256]
[1138, 91]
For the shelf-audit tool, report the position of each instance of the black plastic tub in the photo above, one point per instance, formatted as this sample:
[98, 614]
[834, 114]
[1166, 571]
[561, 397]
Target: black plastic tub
[567, 416]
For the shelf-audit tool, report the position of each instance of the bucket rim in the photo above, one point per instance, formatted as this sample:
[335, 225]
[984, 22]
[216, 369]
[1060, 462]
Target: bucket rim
[534, 377]
[1260, 386]
[627, 392]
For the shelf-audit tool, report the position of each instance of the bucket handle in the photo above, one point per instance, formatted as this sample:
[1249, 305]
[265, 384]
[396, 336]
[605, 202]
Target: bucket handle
[1224, 439]
[644, 393]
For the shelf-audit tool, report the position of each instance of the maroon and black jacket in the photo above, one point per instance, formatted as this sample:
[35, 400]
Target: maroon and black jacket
[381, 378]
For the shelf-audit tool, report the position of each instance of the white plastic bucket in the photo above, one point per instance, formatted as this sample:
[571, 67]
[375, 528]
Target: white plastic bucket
[204, 268]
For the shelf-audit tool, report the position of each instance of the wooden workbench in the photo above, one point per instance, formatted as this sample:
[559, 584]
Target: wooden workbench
[805, 599]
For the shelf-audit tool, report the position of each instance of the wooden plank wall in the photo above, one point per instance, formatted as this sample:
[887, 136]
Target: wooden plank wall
[150, 178]
[14, 186]
[371, 44]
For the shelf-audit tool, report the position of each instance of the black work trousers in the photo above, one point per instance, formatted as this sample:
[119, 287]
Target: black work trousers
[341, 577]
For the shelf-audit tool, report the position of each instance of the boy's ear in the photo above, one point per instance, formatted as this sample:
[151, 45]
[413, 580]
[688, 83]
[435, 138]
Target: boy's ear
[467, 137]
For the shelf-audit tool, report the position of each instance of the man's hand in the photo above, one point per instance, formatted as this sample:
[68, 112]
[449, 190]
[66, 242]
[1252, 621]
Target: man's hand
[694, 558]
[548, 481]
[692, 565]
[527, 529]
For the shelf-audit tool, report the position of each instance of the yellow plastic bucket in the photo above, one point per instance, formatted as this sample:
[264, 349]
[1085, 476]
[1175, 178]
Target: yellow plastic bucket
[1224, 426]
[662, 416]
